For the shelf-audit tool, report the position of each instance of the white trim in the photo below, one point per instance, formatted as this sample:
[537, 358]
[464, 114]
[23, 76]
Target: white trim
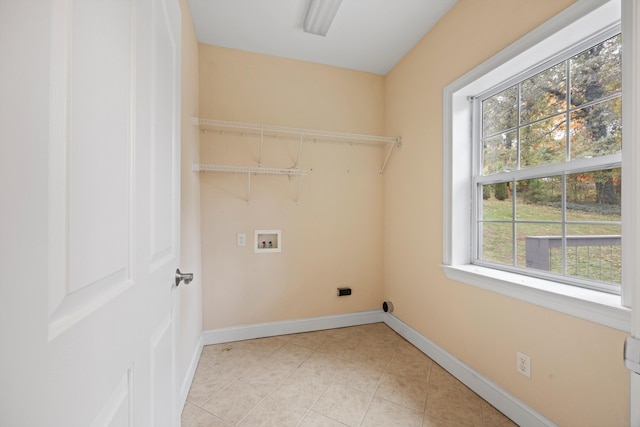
[261, 330]
[631, 228]
[587, 304]
[190, 374]
[515, 409]
[571, 26]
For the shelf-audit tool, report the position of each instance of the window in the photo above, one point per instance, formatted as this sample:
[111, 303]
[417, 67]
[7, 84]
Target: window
[549, 144]
[547, 187]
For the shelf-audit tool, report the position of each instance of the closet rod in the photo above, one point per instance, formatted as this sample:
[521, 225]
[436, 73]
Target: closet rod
[308, 133]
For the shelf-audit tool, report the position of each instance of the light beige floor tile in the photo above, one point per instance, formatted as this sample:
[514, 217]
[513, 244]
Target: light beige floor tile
[310, 340]
[376, 356]
[383, 413]
[193, 416]
[290, 354]
[267, 375]
[454, 404]
[492, 417]
[410, 361]
[274, 412]
[313, 419]
[274, 381]
[190, 412]
[404, 389]
[442, 378]
[263, 347]
[349, 332]
[302, 389]
[358, 375]
[203, 388]
[218, 350]
[321, 364]
[234, 365]
[343, 404]
[339, 346]
[234, 402]
[439, 422]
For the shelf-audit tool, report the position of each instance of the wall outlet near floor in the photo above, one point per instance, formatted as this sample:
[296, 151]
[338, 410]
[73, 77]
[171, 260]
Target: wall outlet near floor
[523, 364]
[344, 292]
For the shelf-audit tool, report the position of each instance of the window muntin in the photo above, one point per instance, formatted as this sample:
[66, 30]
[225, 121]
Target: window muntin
[548, 189]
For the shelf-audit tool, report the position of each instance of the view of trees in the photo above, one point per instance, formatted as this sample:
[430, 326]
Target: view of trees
[570, 110]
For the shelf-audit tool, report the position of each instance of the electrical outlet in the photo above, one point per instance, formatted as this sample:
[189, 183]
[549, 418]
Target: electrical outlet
[344, 292]
[523, 364]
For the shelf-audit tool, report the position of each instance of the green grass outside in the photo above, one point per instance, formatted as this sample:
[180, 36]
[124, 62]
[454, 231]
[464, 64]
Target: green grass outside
[592, 262]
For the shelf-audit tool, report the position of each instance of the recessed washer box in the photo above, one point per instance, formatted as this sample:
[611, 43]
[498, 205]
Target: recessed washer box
[266, 241]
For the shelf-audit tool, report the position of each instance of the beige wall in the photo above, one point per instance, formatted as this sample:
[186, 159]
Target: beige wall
[335, 236]
[191, 295]
[578, 378]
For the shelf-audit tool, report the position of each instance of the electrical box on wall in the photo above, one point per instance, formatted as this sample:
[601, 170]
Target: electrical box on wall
[344, 292]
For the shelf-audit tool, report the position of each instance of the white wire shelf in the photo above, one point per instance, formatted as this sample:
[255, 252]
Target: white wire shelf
[255, 170]
[302, 135]
[307, 134]
[263, 131]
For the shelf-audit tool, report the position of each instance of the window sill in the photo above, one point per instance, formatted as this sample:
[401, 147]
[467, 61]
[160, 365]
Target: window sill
[594, 306]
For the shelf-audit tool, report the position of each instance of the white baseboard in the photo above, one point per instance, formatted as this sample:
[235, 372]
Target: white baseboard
[506, 403]
[261, 330]
[191, 372]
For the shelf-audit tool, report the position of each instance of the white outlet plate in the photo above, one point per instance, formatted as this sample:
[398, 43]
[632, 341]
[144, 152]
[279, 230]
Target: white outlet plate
[523, 364]
[242, 239]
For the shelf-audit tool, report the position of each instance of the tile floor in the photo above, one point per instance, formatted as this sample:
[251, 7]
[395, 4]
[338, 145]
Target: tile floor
[361, 376]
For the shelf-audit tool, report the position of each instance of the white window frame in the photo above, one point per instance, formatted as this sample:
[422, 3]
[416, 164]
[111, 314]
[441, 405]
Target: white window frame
[569, 28]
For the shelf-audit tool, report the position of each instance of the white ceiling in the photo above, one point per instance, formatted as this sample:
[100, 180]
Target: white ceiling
[366, 35]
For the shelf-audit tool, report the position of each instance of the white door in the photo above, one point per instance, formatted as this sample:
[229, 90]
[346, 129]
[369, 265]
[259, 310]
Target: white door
[89, 129]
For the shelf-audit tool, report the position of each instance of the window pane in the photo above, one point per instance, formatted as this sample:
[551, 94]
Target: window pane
[496, 202]
[565, 223]
[539, 199]
[544, 94]
[497, 241]
[597, 130]
[500, 112]
[500, 153]
[594, 252]
[597, 72]
[594, 196]
[534, 244]
[543, 143]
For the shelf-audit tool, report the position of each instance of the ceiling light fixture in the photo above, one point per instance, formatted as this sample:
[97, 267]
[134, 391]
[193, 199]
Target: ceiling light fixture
[320, 16]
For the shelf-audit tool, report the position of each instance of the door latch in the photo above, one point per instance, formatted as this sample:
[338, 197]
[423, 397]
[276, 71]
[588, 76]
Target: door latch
[186, 277]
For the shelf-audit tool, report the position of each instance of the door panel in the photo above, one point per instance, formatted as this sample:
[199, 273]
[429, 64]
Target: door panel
[165, 100]
[162, 388]
[91, 181]
[117, 411]
[99, 142]
[113, 199]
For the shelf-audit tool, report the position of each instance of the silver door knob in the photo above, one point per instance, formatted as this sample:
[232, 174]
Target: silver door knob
[187, 277]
